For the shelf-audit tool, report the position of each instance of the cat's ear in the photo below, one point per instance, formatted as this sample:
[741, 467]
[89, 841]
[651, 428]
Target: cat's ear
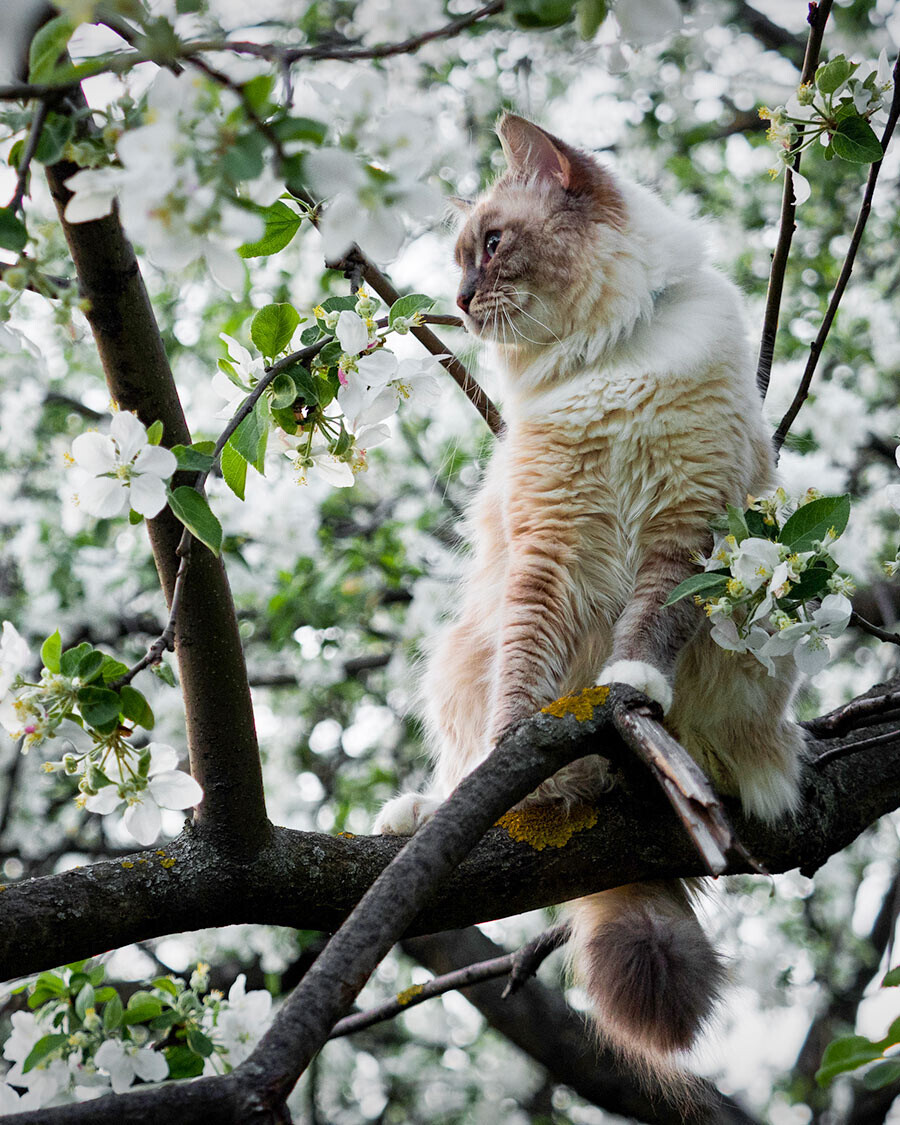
[529, 151]
[464, 206]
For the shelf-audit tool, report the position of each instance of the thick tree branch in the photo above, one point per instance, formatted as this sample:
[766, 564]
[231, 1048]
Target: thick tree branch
[311, 881]
[221, 740]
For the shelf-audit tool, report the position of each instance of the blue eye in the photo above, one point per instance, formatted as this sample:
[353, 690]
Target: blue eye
[491, 242]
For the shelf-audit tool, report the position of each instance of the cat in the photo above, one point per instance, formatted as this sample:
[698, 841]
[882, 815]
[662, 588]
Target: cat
[632, 418]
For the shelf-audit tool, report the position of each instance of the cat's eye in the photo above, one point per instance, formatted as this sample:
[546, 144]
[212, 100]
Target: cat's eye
[491, 242]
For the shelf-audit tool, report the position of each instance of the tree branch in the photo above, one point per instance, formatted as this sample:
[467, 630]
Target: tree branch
[818, 17]
[221, 740]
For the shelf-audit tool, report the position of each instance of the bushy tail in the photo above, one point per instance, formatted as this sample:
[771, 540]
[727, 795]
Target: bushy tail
[651, 973]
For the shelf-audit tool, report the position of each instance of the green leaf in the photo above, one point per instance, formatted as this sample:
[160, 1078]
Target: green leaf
[737, 524]
[272, 328]
[892, 978]
[51, 650]
[44, 1047]
[310, 335]
[882, 1075]
[855, 140]
[244, 159]
[72, 657]
[408, 306]
[833, 74]
[541, 13]
[195, 513]
[282, 223]
[164, 673]
[757, 526]
[98, 705]
[283, 391]
[169, 1018]
[183, 1063]
[813, 521]
[813, 584]
[250, 438]
[590, 14]
[339, 304]
[112, 669]
[104, 994]
[90, 666]
[258, 93]
[52, 983]
[892, 1037]
[155, 433]
[300, 129]
[136, 707]
[702, 585]
[191, 459]
[112, 1013]
[234, 470]
[134, 518]
[84, 1000]
[166, 985]
[13, 235]
[846, 1053]
[46, 47]
[306, 385]
[199, 1043]
[56, 134]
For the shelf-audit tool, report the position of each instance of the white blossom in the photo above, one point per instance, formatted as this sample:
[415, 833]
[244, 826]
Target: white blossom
[124, 1062]
[240, 1025]
[122, 469]
[166, 788]
[807, 639]
[352, 333]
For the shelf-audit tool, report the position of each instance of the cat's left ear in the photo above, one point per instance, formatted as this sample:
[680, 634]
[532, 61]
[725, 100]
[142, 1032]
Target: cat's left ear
[530, 151]
[462, 205]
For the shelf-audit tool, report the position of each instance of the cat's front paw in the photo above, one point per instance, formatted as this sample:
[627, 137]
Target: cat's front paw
[643, 677]
[404, 815]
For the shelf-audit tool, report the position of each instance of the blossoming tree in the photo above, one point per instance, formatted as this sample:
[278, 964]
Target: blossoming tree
[206, 364]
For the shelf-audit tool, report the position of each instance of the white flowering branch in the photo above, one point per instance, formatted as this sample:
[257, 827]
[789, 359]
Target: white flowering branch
[815, 349]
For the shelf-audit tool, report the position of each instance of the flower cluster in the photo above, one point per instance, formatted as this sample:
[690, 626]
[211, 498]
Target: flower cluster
[172, 196]
[332, 404]
[766, 574]
[80, 1040]
[122, 470]
[837, 109]
[75, 687]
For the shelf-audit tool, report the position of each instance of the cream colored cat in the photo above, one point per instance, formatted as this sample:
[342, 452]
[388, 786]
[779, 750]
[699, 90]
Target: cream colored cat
[633, 417]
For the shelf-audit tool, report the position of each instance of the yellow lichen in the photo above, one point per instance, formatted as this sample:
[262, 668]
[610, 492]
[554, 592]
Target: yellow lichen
[581, 705]
[408, 994]
[547, 826]
[160, 851]
[142, 861]
[347, 835]
[167, 863]
[127, 864]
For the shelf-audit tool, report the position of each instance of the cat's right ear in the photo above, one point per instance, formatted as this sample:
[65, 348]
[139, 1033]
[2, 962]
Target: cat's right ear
[464, 206]
[529, 151]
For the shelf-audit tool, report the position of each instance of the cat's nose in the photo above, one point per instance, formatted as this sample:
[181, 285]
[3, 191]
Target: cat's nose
[464, 300]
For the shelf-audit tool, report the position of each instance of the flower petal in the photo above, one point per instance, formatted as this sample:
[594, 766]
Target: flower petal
[103, 497]
[143, 821]
[174, 789]
[130, 435]
[95, 453]
[351, 332]
[157, 460]
[104, 801]
[147, 495]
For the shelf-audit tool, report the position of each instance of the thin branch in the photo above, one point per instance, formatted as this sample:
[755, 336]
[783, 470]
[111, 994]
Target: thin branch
[885, 739]
[285, 56]
[849, 715]
[874, 630]
[818, 17]
[520, 966]
[815, 349]
[34, 137]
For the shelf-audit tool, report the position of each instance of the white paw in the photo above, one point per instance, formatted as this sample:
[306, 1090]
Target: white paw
[643, 677]
[403, 815]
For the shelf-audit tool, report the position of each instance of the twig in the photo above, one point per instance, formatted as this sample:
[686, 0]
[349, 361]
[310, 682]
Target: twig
[815, 349]
[165, 642]
[818, 17]
[874, 630]
[684, 784]
[34, 137]
[847, 717]
[848, 748]
[520, 966]
[385, 290]
[286, 56]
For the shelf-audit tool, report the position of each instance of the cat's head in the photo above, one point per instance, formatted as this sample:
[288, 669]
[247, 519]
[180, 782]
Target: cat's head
[529, 249]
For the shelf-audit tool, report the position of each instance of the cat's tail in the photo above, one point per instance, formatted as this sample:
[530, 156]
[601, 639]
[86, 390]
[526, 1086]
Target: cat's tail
[651, 973]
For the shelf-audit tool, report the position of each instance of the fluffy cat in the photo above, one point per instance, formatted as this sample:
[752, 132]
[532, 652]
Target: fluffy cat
[633, 417]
